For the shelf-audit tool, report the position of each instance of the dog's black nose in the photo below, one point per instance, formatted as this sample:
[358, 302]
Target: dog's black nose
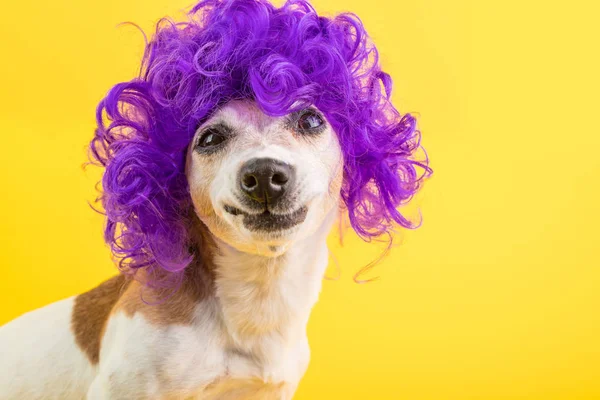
[265, 180]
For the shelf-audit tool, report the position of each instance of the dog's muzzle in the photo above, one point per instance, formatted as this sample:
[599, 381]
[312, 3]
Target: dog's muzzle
[265, 187]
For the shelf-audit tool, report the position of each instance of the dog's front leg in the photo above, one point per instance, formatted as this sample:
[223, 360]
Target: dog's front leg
[129, 356]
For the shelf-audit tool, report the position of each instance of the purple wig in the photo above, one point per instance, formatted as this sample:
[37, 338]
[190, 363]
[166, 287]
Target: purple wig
[284, 59]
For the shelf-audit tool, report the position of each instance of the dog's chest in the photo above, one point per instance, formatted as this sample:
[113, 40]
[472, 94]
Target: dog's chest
[199, 361]
[271, 368]
[273, 376]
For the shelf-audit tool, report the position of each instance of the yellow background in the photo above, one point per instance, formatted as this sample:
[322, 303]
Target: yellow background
[495, 297]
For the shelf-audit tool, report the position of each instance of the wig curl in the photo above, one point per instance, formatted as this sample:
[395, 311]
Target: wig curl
[283, 58]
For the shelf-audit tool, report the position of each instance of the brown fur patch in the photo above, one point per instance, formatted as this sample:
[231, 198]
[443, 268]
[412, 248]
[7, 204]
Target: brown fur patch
[90, 313]
[165, 308]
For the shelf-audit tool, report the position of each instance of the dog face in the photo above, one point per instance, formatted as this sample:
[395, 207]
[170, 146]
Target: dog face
[259, 182]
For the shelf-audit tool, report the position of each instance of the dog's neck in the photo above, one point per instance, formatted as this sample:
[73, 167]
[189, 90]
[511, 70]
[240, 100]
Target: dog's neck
[270, 296]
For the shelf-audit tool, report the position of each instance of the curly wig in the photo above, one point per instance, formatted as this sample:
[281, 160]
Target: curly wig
[284, 59]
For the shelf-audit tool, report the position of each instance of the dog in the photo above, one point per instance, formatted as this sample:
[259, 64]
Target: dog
[250, 131]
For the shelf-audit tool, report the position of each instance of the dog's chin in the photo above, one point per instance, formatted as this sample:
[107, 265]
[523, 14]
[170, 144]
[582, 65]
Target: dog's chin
[269, 224]
[268, 234]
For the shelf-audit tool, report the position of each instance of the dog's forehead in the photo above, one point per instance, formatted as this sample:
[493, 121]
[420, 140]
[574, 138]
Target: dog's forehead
[245, 113]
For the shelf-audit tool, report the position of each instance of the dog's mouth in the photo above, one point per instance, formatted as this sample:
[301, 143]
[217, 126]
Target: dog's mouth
[269, 222]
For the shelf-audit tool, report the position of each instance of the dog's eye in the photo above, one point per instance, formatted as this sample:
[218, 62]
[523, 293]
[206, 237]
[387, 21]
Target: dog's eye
[309, 121]
[211, 137]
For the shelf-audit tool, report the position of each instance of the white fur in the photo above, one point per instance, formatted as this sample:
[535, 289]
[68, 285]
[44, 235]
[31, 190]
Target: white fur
[248, 341]
[39, 358]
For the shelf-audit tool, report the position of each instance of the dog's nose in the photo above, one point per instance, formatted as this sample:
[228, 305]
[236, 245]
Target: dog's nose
[265, 180]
